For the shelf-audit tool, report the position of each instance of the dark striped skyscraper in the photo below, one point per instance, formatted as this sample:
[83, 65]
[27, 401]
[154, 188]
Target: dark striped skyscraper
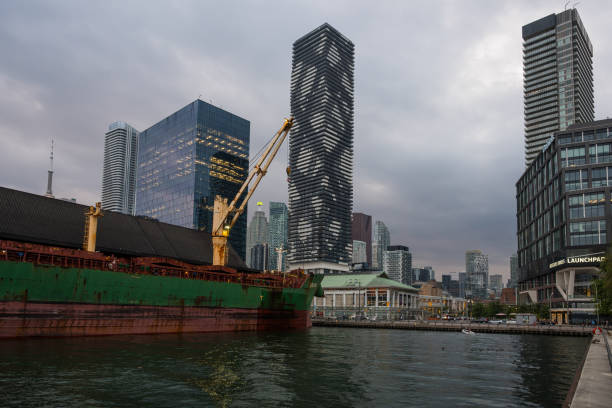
[321, 151]
[558, 78]
[119, 171]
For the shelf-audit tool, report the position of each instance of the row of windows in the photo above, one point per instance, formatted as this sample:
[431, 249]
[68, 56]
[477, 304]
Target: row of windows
[587, 205]
[584, 136]
[588, 233]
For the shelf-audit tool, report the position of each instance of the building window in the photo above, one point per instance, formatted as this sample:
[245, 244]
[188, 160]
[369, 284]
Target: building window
[599, 177]
[600, 153]
[564, 139]
[601, 134]
[588, 233]
[576, 180]
[587, 205]
[573, 156]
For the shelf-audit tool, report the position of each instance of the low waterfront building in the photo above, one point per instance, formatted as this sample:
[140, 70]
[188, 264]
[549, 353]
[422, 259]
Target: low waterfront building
[435, 301]
[366, 295]
[564, 220]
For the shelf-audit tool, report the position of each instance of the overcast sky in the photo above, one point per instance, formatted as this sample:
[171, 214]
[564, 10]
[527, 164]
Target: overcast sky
[438, 98]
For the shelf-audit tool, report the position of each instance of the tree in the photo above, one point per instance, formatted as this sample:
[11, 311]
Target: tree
[478, 310]
[603, 285]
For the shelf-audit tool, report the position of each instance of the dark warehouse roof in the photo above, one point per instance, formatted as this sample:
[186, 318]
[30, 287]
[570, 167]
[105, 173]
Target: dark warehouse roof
[32, 218]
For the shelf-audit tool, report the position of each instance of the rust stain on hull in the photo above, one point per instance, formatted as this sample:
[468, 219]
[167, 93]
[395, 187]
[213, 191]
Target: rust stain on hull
[50, 319]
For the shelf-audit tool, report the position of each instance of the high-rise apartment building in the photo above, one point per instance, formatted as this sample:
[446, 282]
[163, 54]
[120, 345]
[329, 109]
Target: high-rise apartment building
[321, 151]
[187, 159]
[397, 264]
[257, 234]
[362, 231]
[277, 235]
[477, 269]
[119, 168]
[382, 239]
[558, 78]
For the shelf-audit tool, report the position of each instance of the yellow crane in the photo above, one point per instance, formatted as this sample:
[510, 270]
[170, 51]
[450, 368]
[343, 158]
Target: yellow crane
[225, 215]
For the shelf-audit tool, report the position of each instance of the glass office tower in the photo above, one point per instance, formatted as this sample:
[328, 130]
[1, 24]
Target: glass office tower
[277, 235]
[188, 158]
[321, 151]
[558, 78]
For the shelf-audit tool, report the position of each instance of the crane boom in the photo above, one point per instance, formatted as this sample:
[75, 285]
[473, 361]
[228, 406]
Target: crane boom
[224, 215]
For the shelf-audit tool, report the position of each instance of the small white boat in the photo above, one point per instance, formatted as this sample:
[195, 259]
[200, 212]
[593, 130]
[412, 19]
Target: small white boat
[467, 331]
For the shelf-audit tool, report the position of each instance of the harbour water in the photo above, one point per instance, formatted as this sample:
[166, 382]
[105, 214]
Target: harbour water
[320, 367]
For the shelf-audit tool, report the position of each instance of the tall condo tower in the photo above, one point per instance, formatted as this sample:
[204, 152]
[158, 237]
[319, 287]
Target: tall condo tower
[277, 236]
[321, 151]
[558, 78]
[188, 158]
[382, 239]
[119, 171]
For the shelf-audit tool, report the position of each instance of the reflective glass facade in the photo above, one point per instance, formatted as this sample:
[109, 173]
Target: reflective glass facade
[382, 239]
[563, 207]
[187, 159]
[277, 234]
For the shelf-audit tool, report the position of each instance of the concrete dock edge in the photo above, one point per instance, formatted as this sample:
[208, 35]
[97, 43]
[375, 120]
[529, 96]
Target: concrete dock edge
[594, 388]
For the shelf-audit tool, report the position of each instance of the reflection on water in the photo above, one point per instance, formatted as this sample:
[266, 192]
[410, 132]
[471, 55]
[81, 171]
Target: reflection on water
[321, 367]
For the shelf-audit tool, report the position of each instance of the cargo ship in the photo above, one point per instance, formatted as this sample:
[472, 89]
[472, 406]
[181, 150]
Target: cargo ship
[145, 277]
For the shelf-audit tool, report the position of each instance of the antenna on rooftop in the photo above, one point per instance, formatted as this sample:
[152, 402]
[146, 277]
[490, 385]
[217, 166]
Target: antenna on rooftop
[565, 8]
[49, 192]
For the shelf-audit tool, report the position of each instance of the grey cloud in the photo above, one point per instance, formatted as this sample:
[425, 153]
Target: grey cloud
[438, 136]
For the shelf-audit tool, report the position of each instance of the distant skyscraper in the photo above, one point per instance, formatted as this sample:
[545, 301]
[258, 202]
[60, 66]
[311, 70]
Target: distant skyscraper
[258, 255]
[362, 231]
[446, 279]
[397, 264]
[462, 284]
[496, 284]
[257, 234]
[277, 234]
[119, 171]
[187, 159]
[423, 274]
[558, 78]
[359, 252]
[477, 269]
[321, 151]
[382, 239]
[513, 271]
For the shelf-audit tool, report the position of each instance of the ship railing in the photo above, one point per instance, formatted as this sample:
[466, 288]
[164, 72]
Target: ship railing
[68, 261]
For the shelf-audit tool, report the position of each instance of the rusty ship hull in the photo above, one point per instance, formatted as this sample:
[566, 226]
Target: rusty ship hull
[50, 291]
